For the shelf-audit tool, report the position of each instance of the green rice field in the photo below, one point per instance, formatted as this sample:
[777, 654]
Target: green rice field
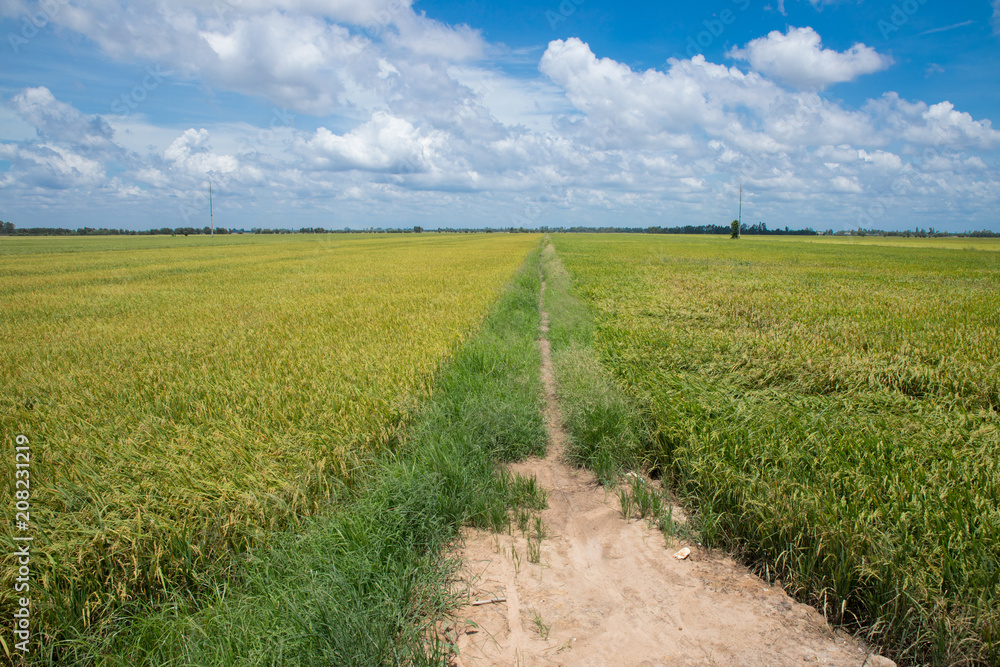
[260, 433]
[829, 407]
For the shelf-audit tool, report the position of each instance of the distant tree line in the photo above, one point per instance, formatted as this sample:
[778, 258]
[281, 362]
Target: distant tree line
[8, 229]
[920, 233]
[758, 229]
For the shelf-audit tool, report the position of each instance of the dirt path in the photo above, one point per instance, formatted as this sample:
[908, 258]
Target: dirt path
[607, 592]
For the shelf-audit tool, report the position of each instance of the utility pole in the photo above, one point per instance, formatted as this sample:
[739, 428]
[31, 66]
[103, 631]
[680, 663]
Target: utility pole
[739, 216]
[211, 210]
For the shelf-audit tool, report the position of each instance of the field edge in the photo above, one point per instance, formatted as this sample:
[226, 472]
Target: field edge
[366, 584]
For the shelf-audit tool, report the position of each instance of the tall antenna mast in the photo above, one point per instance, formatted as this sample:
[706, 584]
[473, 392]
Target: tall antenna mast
[740, 216]
[211, 210]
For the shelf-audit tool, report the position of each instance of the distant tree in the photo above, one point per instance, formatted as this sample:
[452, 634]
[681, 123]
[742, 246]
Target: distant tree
[417, 229]
[734, 229]
[7, 229]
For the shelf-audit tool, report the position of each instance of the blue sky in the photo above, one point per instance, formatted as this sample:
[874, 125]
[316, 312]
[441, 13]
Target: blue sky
[385, 113]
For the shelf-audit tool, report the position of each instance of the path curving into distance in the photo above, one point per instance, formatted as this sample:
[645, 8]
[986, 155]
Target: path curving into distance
[606, 591]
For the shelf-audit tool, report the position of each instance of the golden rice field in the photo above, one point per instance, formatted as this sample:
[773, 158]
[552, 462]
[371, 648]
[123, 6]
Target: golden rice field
[827, 407]
[183, 397]
[830, 407]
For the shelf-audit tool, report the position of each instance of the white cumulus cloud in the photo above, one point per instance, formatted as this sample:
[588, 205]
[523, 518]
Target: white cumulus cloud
[384, 143]
[57, 120]
[398, 121]
[191, 153]
[313, 56]
[799, 59]
[49, 166]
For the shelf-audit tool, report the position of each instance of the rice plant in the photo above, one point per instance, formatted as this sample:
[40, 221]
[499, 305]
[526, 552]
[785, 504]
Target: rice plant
[187, 398]
[828, 409]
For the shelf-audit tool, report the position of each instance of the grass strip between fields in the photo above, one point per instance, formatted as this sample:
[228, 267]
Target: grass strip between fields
[607, 432]
[365, 584]
[603, 427]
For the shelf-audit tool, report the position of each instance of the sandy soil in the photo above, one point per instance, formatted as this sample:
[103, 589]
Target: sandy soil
[606, 591]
